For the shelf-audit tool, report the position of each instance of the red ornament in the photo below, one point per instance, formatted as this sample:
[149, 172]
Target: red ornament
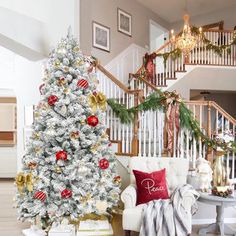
[92, 121]
[82, 84]
[103, 163]
[95, 93]
[61, 155]
[41, 88]
[110, 144]
[40, 196]
[52, 100]
[66, 193]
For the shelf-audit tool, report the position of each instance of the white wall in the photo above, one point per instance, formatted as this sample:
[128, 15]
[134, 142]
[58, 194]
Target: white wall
[206, 78]
[23, 77]
[105, 12]
[36, 25]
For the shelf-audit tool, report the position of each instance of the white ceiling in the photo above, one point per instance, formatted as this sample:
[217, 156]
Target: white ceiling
[173, 10]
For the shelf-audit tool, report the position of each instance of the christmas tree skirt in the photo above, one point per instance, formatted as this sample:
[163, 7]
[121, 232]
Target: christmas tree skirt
[95, 228]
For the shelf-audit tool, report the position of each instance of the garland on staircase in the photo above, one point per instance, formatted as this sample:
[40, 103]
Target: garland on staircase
[177, 53]
[175, 110]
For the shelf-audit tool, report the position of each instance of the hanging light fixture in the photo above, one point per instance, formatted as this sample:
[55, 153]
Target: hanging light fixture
[186, 41]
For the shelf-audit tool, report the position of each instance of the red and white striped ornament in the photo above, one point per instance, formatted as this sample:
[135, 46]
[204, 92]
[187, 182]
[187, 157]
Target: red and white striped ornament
[41, 87]
[40, 196]
[66, 193]
[82, 84]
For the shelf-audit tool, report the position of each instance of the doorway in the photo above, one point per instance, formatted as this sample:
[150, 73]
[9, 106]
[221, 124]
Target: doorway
[158, 36]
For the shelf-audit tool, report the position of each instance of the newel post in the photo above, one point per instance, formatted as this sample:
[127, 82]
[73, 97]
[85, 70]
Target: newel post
[209, 149]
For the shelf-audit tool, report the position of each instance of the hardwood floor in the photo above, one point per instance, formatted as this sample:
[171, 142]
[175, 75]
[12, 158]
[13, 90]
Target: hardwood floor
[9, 226]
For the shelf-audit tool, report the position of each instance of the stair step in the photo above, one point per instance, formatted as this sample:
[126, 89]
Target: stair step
[180, 71]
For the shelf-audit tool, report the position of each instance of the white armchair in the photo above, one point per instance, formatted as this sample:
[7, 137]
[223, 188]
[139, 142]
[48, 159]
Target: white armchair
[176, 175]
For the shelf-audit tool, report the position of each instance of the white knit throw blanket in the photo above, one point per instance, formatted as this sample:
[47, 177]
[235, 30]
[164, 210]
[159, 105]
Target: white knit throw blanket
[169, 217]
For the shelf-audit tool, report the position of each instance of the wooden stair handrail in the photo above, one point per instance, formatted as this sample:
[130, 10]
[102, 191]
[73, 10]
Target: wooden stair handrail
[116, 81]
[223, 112]
[216, 106]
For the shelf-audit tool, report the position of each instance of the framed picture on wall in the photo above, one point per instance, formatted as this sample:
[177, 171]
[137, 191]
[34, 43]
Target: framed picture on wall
[124, 22]
[101, 36]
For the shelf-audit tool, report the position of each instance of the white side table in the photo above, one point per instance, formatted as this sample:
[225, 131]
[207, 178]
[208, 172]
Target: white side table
[220, 203]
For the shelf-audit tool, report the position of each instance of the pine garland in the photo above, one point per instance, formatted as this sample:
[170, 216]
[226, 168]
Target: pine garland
[158, 101]
[218, 49]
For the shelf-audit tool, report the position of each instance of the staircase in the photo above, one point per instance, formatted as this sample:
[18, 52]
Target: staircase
[166, 74]
[146, 136]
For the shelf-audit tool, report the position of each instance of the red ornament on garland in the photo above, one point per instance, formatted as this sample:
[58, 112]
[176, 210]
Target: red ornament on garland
[40, 196]
[103, 163]
[41, 88]
[52, 100]
[92, 121]
[61, 155]
[66, 193]
[83, 84]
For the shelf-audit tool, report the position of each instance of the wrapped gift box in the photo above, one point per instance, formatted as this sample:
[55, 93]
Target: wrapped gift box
[33, 232]
[62, 230]
[95, 228]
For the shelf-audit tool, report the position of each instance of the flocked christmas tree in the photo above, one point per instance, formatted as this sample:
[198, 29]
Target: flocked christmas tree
[69, 168]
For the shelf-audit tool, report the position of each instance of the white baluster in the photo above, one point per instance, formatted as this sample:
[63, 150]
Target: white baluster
[155, 130]
[144, 133]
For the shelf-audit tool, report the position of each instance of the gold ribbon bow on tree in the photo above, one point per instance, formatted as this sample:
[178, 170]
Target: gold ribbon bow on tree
[98, 100]
[24, 181]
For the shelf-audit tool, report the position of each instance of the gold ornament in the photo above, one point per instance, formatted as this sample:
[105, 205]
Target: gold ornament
[95, 147]
[117, 180]
[82, 122]
[104, 136]
[74, 135]
[36, 114]
[36, 135]
[85, 199]
[98, 100]
[58, 170]
[37, 150]
[61, 82]
[43, 106]
[24, 180]
[29, 182]
[78, 62]
[76, 49]
[57, 63]
[66, 68]
[32, 165]
[20, 181]
[66, 90]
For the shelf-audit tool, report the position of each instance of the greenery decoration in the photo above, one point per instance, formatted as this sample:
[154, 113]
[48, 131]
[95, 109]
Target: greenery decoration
[218, 49]
[159, 101]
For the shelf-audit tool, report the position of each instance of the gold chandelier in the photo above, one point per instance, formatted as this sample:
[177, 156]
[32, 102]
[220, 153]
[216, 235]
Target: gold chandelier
[186, 41]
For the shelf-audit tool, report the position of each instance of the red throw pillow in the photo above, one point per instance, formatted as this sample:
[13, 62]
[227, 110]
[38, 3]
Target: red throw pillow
[151, 186]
